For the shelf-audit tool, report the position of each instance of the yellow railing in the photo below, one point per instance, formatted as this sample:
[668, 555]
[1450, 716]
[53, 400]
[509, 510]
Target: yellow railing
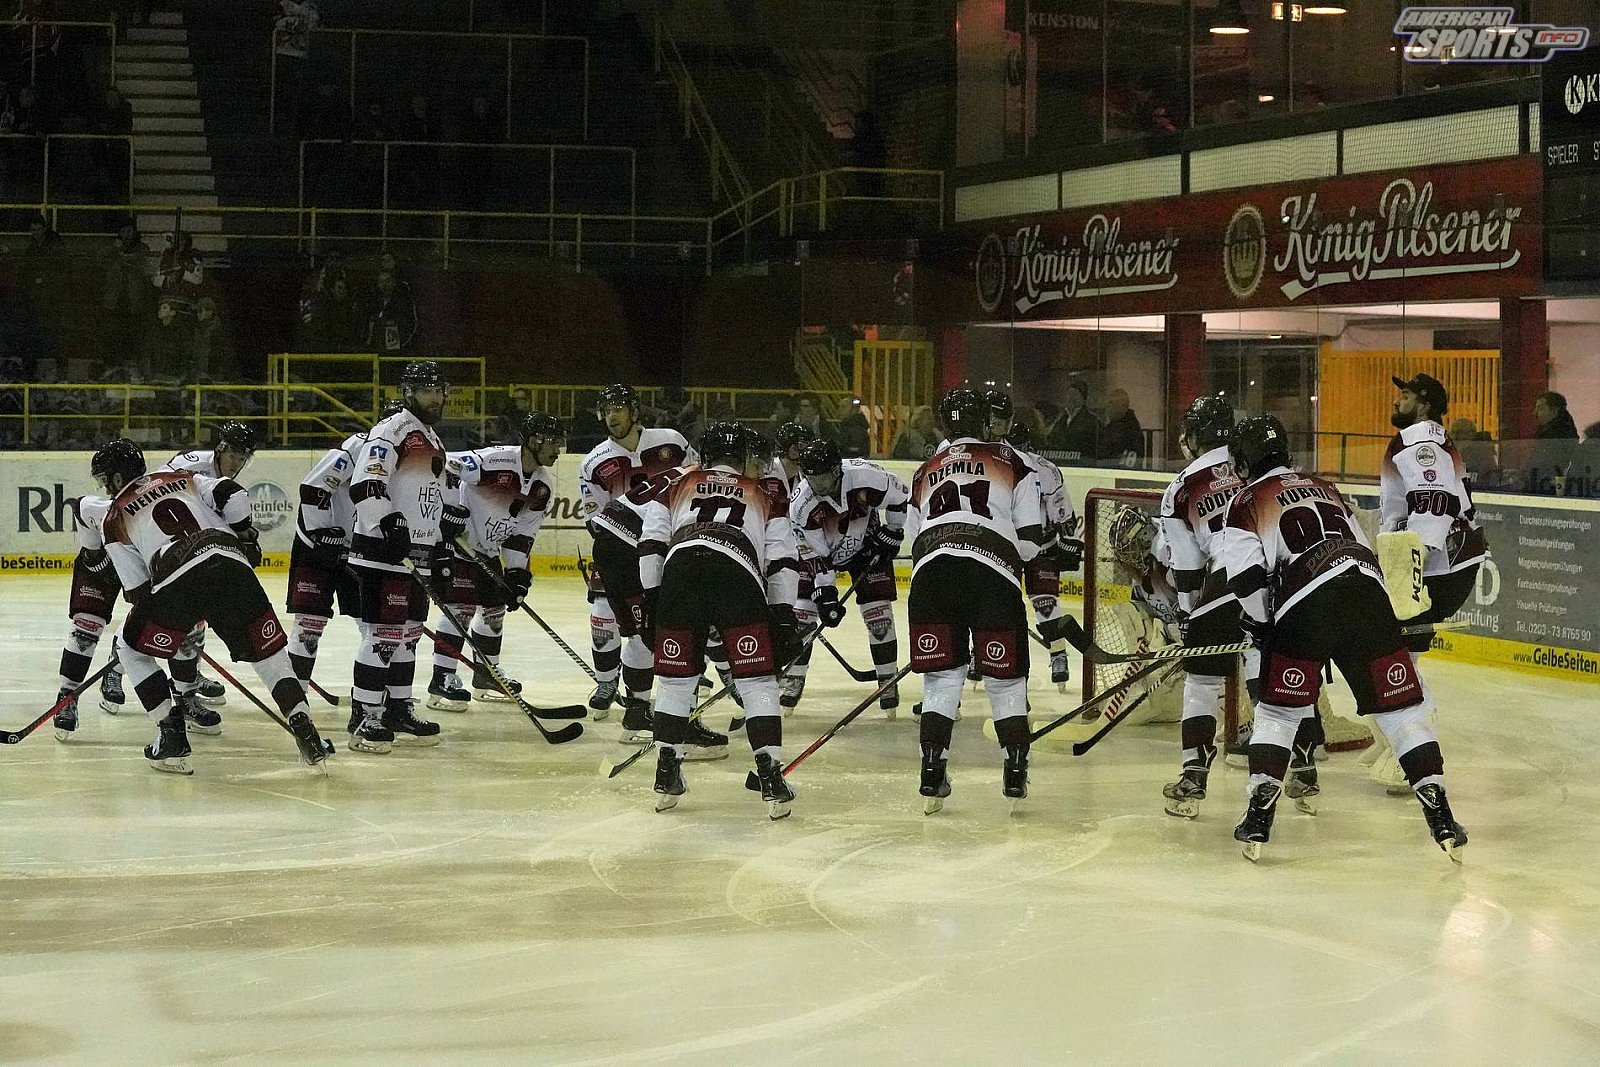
[892, 378]
[791, 206]
[326, 377]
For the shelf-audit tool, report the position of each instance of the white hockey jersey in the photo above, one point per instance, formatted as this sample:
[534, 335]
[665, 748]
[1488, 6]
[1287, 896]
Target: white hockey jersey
[505, 505]
[835, 528]
[978, 500]
[728, 513]
[623, 517]
[1423, 487]
[90, 513]
[400, 468]
[161, 525]
[325, 491]
[1189, 524]
[197, 461]
[789, 483]
[610, 470]
[1060, 516]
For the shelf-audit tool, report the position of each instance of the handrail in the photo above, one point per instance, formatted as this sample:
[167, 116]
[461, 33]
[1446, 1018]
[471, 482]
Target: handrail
[109, 25]
[697, 120]
[800, 149]
[49, 137]
[509, 38]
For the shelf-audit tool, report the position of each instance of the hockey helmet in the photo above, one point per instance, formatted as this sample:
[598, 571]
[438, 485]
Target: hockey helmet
[1000, 405]
[618, 395]
[118, 456]
[791, 434]
[820, 457]
[540, 424]
[1259, 443]
[237, 437]
[1209, 420]
[1020, 437]
[423, 374]
[964, 413]
[1132, 537]
[760, 446]
[724, 443]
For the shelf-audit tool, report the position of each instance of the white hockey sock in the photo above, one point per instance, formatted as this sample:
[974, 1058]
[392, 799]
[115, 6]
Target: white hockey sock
[674, 700]
[1008, 697]
[941, 692]
[606, 640]
[305, 634]
[1202, 694]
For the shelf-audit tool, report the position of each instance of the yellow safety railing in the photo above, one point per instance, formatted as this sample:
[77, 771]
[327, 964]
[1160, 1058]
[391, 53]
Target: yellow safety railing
[352, 385]
[892, 378]
[791, 206]
[9, 142]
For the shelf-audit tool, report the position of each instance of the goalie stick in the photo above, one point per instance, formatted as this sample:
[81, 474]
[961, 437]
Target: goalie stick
[1072, 630]
[327, 745]
[484, 561]
[753, 783]
[11, 737]
[570, 732]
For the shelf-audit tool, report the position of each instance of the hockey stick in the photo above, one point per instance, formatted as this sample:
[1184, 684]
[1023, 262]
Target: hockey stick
[327, 745]
[1100, 698]
[565, 711]
[611, 770]
[570, 732]
[321, 692]
[1080, 747]
[753, 783]
[505, 587]
[11, 737]
[1072, 630]
[860, 676]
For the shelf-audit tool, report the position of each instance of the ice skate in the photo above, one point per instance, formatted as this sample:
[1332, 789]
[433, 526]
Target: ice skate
[446, 693]
[198, 717]
[669, 779]
[775, 788]
[211, 691]
[111, 695]
[889, 700]
[1448, 834]
[638, 724]
[935, 784]
[703, 743]
[1060, 670]
[313, 749]
[484, 686]
[406, 728]
[66, 720]
[1014, 775]
[790, 688]
[600, 701]
[1256, 826]
[1185, 794]
[369, 733]
[1302, 788]
[170, 750]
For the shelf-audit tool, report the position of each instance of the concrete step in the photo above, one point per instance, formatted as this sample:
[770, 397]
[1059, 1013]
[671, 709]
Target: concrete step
[191, 224]
[196, 200]
[164, 105]
[157, 35]
[146, 53]
[156, 185]
[170, 163]
[177, 85]
[168, 124]
[159, 68]
[166, 18]
[158, 142]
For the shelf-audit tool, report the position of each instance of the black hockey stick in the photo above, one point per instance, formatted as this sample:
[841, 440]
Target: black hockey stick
[753, 783]
[566, 711]
[858, 675]
[1072, 630]
[1080, 747]
[327, 745]
[611, 770]
[321, 692]
[570, 732]
[505, 587]
[11, 737]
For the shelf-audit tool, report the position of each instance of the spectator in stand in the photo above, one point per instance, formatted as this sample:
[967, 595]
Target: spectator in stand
[677, 410]
[920, 437]
[1554, 442]
[1049, 417]
[291, 45]
[1076, 434]
[1583, 475]
[168, 347]
[126, 296]
[1476, 450]
[180, 276]
[1122, 438]
[854, 434]
[212, 355]
[392, 320]
[329, 318]
[781, 413]
[114, 118]
[808, 413]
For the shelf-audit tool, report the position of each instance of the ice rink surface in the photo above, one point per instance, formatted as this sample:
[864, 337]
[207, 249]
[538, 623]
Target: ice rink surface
[494, 900]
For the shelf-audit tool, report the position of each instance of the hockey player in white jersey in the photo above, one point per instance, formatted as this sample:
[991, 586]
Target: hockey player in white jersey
[631, 454]
[850, 514]
[506, 491]
[1063, 550]
[398, 493]
[319, 557]
[717, 550]
[974, 522]
[95, 589]
[184, 549]
[790, 438]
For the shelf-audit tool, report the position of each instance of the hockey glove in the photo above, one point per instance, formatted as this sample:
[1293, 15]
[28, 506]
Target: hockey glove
[1067, 553]
[396, 537]
[786, 642]
[829, 610]
[645, 617]
[249, 543]
[442, 566]
[884, 543]
[453, 523]
[519, 581]
[327, 544]
[97, 561]
[1257, 632]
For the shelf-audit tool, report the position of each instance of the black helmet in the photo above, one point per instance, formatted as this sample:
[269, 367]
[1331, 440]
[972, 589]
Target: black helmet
[999, 402]
[1209, 419]
[1020, 437]
[1258, 444]
[390, 408]
[793, 433]
[619, 396]
[237, 437]
[760, 447]
[820, 457]
[724, 442]
[420, 373]
[540, 424]
[117, 456]
[964, 413]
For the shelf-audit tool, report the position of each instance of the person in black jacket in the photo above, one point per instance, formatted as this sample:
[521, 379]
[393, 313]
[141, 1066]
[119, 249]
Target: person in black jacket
[1076, 434]
[1554, 442]
[1122, 438]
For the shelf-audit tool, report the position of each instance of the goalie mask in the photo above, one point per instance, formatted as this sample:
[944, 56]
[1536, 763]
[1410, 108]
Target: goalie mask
[1133, 538]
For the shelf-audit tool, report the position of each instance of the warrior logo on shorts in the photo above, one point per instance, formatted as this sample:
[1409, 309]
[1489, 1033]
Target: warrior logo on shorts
[671, 649]
[269, 629]
[996, 651]
[161, 640]
[1397, 674]
[747, 645]
[928, 644]
[1294, 677]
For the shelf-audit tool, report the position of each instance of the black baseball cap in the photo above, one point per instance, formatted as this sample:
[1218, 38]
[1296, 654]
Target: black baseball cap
[1428, 389]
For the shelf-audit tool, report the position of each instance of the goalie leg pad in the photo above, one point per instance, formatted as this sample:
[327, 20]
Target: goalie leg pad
[1401, 555]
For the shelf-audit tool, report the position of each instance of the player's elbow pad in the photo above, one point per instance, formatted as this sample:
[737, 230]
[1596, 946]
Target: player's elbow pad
[1247, 582]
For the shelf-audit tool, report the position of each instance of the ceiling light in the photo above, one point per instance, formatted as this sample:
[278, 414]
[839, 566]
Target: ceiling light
[1228, 19]
[1265, 98]
[1326, 9]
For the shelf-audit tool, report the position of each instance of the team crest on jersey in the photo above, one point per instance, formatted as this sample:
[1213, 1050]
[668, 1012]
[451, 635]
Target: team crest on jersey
[665, 451]
[1222, 471]
[1426, 456]
[1430, 476]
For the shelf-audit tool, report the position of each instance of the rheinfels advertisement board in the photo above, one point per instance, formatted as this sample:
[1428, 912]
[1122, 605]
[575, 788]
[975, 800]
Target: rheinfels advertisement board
[1464, 231]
